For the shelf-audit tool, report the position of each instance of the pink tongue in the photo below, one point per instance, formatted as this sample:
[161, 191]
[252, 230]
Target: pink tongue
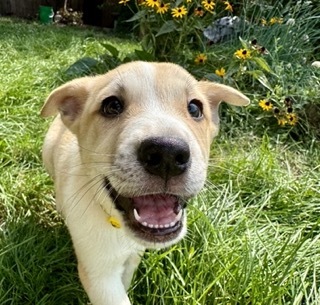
[156, 209]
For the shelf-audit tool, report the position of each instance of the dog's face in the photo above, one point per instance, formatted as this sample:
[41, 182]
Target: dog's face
[145, 129]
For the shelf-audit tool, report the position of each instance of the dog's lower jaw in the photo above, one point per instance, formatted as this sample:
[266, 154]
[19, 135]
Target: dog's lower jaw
[158, 243]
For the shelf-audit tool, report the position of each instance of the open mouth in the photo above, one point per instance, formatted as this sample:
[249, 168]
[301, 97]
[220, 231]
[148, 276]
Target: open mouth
[156, 218]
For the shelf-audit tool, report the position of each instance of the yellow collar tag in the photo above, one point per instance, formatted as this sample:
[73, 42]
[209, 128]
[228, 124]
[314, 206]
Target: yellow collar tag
[114, 222]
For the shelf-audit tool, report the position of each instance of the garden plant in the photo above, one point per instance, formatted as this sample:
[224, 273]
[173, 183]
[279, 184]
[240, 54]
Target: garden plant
[254, 231]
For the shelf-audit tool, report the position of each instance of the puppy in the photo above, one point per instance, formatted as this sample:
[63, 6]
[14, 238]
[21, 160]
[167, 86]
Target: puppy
[127, 150]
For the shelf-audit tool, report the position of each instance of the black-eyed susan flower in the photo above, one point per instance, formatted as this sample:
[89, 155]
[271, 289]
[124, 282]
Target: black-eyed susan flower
[188, 1]
[257, 47]
[200, 59]
[264, 22]
[266, 105]
[124, 2]
[243, 54]
[228, 6]
[276, 111]
[282, 121]
[220, 72]
[262, 50]
[152, 3]
[254, 42]
[163, 8]
[292, 119]
[208, 5]
[179, 12]
[199, 11]
[288, 101]
[289, 109]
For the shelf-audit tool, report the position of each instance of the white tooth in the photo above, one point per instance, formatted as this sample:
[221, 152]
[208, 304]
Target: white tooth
[172, 224]
[179, 215]
[144, 224]
[161, 226]
[136, 215]
[167, 225]
[150, 225]
[156, 226]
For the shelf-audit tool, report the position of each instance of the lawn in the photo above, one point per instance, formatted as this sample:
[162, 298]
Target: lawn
[253, 233]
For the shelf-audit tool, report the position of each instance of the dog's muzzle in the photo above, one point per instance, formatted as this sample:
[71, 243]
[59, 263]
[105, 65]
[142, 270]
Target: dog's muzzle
[157, 217]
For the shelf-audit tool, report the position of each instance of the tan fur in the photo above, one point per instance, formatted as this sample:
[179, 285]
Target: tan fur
[83, 148]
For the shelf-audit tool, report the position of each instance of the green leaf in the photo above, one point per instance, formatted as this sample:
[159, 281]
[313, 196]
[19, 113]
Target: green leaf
[109, 61]
[144, 55]
[261, 62]
[113, 51]
[82, 66]
[260, 76]
[243, 43]
[212, 77]
[137, 16]
[167, 27]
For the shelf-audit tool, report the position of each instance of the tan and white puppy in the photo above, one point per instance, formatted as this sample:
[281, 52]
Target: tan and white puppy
[126, 152]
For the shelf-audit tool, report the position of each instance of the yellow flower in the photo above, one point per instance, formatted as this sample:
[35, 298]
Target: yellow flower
[265, 105]
[189, 1]
[124, 2]
[264, 21]
[282, 121]
[199, 11]
[228, 6]
[221, 72]
[208, 4]
[179, 12]
[275, 20]
[152, 3]
[163, 8]
[292, 119]
[200, 59]
[243, 54]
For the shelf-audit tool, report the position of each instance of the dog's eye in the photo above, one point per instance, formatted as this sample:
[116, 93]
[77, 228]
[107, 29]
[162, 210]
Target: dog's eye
[195, 109]
[111, 106]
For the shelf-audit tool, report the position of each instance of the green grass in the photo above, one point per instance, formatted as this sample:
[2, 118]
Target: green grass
[253, 232]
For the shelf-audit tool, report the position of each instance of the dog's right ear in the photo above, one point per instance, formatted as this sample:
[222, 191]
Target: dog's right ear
[69, 100]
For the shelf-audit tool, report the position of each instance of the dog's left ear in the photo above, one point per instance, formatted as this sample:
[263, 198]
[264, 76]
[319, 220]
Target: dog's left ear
[216, 93]
[69, 100]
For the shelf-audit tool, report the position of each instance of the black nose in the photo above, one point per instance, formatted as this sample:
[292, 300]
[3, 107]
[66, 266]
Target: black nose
[164, 157]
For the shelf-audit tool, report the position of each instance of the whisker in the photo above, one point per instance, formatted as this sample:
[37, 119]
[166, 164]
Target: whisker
[83, 191]
[96, 195]
[102, 165]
